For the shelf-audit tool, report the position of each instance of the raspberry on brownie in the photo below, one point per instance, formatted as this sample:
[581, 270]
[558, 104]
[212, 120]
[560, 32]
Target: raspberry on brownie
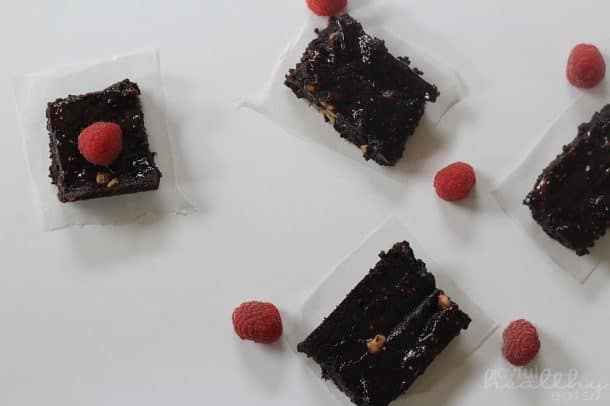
[101, 143]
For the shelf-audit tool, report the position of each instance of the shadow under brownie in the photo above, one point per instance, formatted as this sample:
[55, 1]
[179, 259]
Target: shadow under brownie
[76, 178]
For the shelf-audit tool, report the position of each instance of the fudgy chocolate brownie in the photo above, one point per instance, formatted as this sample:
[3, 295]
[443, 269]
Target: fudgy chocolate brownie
[571, 198]
[373, 99]
[77, 179]
[387, 330]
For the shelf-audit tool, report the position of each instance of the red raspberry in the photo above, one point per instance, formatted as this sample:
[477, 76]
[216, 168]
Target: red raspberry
[101, 143]
[454, 182]
[326, 7]
[586, 66]
[521, 343]
[257, 321]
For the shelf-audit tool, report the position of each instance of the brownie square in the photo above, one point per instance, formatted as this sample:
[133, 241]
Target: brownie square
[387, 331]
[571, 198]
[77, 179]
[373, 100]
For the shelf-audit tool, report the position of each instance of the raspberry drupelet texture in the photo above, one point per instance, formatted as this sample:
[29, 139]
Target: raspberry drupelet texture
[101, 143]
[454, 182]
[257, 321]
[521, 342]
[586, 66]
[326, 7]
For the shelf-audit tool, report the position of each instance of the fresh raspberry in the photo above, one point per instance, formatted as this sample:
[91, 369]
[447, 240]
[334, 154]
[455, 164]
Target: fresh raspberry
[521, 343]
[101, 143]
[326, 7]
[257, 321]
[454, 182]
[586, 66]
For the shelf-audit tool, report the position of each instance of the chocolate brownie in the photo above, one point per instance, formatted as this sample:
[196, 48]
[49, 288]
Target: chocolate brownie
[571, 198]
[77, 179]
[373, 99]
[387, 330]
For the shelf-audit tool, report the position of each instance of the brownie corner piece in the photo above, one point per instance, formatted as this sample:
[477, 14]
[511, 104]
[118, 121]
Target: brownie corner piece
[386, 331]
[373, 99]
[571, 198]
[77, 179]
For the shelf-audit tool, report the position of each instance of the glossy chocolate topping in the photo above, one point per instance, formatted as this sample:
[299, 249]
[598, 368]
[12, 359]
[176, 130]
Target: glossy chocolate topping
[387, 330]
[75, 176]
[373, 99]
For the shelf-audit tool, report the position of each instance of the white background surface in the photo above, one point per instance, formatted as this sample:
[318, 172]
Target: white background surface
[140, 315]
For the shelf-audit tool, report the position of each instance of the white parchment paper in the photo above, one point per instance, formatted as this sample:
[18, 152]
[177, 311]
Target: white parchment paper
[333, 289]
[517, 185]
[280, 105]
[33, 92]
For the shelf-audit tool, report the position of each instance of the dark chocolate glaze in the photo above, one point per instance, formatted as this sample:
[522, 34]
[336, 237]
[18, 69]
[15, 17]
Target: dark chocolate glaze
[74, 176]
[397, 299]
[374, 100]
[571, 198]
